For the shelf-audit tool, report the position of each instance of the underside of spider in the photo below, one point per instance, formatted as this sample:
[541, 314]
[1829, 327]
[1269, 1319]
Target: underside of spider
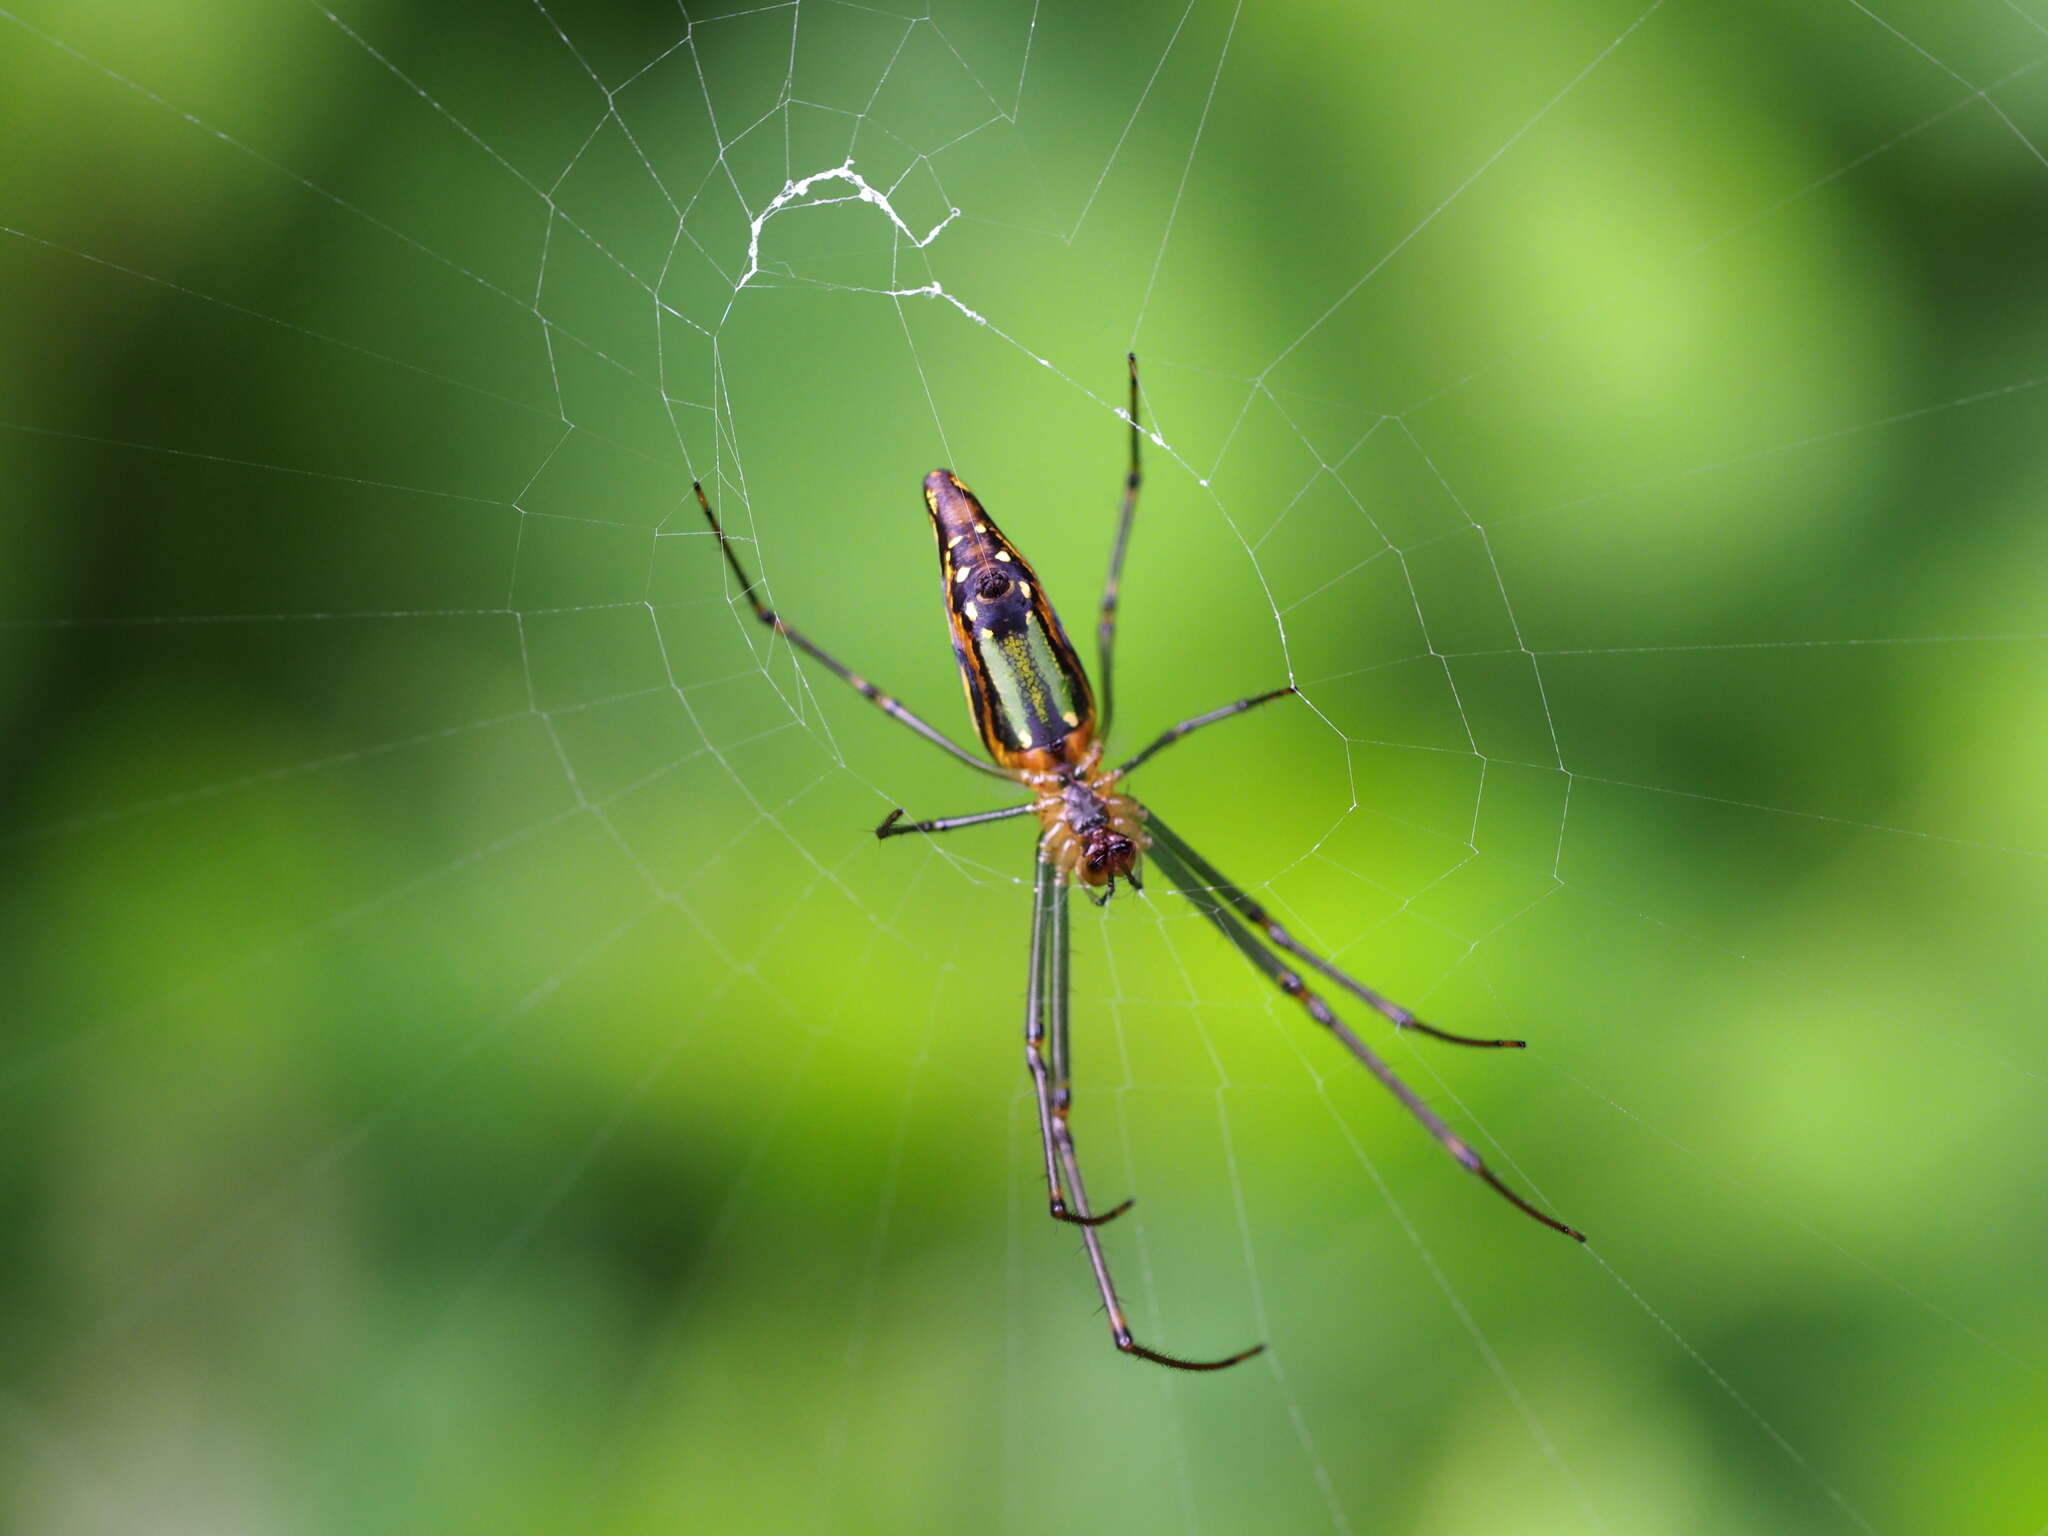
[1036, 713]
[1093, 835]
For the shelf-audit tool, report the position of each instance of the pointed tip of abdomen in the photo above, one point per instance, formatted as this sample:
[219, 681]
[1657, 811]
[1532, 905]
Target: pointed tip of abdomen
[951, 504]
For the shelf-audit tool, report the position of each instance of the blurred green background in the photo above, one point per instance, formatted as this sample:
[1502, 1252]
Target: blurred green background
[468, 1067]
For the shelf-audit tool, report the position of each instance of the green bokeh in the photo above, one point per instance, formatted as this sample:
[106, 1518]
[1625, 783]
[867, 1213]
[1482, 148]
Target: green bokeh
[469, 1067]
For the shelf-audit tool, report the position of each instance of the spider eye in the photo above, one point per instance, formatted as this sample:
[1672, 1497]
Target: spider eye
[992, 586]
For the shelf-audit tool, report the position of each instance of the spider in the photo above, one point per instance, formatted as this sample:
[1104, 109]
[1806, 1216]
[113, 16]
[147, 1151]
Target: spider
[1038, 719]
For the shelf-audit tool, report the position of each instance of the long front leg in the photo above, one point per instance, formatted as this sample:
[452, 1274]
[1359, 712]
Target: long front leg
[1048, 933]
[867, 690]
[1055, 993]
[1213, 906]
[1259, 918]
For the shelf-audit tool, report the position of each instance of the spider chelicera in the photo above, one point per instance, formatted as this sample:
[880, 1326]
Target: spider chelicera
[1038, 719]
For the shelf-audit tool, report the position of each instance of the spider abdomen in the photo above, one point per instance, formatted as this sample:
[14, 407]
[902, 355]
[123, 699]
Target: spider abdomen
[1025, 686]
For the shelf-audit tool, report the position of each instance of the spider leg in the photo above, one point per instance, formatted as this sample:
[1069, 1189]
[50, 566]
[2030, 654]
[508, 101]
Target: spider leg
[1193, 723]
[895, 826]
[1213, 906]
[1105, 625]
[1038, 1014]
[1048, 1009]
[1259, 918]
[867, 690]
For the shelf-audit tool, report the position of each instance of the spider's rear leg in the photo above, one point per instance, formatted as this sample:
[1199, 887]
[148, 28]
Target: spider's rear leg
[901, 713]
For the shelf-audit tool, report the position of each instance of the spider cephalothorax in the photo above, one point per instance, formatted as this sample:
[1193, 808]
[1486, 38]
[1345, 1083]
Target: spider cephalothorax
[1093, 836]
[1036, 712]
